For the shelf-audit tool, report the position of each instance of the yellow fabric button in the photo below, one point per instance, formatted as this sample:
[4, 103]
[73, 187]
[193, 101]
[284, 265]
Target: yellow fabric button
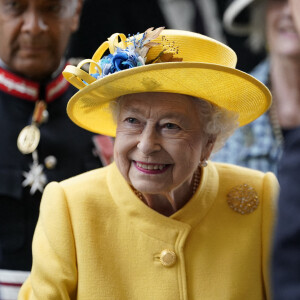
[167, 258]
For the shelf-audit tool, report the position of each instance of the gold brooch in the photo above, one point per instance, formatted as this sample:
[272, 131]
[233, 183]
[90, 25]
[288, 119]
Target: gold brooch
[243, 199]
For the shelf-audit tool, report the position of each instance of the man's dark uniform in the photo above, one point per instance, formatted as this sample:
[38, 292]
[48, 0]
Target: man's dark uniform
[70, 147]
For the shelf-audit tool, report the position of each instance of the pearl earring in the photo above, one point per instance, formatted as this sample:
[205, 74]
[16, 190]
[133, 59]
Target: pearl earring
[203, 163]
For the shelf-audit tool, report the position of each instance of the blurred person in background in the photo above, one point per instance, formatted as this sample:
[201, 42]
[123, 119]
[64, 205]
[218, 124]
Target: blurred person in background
[272, 142]
[260, 144]
[286, 256]
[38, 142]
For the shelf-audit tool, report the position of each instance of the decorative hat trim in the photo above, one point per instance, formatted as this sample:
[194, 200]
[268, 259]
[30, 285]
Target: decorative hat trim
[167, 61]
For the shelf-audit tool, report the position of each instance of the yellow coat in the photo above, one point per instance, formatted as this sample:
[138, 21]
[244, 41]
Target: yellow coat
[96, 240]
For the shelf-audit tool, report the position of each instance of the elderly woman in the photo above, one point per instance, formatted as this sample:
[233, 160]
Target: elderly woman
[161, 222]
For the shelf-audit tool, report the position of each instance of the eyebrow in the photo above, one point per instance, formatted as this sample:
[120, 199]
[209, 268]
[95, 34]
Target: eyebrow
[132, 109]
[174, 115]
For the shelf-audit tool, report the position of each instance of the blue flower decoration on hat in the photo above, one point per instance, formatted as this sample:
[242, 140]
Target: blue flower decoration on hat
[125, 53]
[122, 59]
[131, 56]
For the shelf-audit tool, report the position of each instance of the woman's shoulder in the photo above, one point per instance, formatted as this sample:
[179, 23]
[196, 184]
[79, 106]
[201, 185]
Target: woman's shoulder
[246, 189]
[240, 171]
[90, 184]
[81, 197]
[86, 178]
[233, 175]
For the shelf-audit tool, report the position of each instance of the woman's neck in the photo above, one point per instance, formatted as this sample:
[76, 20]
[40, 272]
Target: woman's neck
[168, 203]
[285, 86]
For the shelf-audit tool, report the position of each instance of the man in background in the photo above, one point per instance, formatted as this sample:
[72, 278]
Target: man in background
[38, 143]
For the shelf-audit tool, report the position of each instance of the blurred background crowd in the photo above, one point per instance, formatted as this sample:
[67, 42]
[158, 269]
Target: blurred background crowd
[203, 16]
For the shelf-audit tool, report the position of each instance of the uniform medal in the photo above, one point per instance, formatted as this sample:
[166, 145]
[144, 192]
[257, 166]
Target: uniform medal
[27, 142]
[29, 136]
[35, 177]
[28, 139]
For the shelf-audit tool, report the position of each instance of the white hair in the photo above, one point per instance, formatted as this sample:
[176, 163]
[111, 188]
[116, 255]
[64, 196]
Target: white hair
[219, 123]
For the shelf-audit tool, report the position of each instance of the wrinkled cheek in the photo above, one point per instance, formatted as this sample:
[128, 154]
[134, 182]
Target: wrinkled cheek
[188, 153]
[123, 165]
[121, 158]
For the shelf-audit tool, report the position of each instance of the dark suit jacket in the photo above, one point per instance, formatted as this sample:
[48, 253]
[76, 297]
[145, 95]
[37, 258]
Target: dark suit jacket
[69, 144]
[286, 254]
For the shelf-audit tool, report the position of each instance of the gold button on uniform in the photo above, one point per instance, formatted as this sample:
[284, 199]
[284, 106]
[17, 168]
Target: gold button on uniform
[167, 258]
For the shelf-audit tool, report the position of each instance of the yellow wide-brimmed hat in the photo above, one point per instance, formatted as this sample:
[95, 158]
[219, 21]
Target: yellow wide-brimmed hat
[172, 61]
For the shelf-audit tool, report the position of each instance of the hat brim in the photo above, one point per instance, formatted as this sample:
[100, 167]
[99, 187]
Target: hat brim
[225, 87]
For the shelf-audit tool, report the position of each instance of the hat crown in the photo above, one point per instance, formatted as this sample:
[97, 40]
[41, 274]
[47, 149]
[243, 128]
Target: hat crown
[179, 45]
[193, 47]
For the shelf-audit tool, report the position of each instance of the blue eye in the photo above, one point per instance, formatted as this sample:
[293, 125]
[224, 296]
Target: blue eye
[132, 120]
[171, 126]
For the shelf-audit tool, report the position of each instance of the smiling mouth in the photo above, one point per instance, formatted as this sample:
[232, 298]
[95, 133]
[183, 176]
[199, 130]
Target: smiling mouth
[152, 168]
[287, 28]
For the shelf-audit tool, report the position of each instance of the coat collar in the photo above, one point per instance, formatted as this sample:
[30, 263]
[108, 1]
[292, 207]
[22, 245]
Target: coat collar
[25, 89]
[156, 225]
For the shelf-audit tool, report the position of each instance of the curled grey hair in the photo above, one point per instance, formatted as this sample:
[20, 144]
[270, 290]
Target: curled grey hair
[219, 123]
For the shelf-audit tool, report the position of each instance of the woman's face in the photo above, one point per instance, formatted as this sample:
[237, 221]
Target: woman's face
[283, 39]
[159, 141]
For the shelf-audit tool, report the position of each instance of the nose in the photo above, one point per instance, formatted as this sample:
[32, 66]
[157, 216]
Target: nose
[33, 22]
[148, 140]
